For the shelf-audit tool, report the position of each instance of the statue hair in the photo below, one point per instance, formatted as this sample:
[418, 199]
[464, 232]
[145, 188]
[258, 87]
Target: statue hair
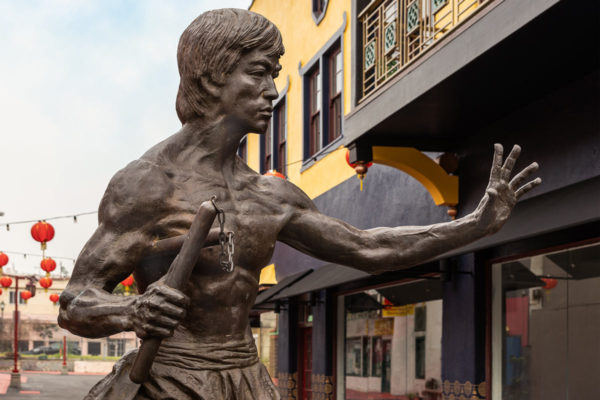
[212, 46]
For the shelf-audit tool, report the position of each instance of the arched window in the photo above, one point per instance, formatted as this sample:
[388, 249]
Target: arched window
[318, 10]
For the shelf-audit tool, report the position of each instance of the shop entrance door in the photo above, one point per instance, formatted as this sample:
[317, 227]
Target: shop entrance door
[305, 364]
[386, 368]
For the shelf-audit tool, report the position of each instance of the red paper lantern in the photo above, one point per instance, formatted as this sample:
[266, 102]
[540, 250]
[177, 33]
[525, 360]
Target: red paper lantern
[353, 165]
[54, 298]
[5, 281]
[127, 281]
[360, 167]
[42, 232]
[25, 295]
[550, 283]
[0, 291]
[46, 283]
[48, 265]
[3, 259]
[273, 172]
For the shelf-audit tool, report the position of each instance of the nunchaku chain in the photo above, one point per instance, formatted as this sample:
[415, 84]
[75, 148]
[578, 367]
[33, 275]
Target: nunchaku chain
[225, 240]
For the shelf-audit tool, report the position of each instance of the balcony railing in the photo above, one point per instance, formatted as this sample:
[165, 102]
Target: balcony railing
[396, 32]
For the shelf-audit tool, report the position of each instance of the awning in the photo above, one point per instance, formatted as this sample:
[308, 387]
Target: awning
[413, 292]
[516, 275]
[267, 295]
[327, 276]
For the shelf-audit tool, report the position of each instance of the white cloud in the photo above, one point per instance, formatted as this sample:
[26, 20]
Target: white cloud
[87, 86]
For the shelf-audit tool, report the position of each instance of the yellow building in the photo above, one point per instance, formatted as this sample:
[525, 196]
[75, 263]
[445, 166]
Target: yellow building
[423, 89]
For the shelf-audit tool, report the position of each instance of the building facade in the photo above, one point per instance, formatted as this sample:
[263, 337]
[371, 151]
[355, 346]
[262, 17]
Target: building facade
[38, 326]
[423, 89]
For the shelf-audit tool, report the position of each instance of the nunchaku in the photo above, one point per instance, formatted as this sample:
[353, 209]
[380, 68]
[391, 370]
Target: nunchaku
[177, 276]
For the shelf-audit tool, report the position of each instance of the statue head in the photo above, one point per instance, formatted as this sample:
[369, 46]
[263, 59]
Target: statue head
[211, 47]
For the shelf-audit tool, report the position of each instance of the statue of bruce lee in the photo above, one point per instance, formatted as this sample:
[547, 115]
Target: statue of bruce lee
[228, 60]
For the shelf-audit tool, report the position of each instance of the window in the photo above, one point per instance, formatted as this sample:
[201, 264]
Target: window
[335, 94]
[314, 138]
[280, 135]
[243, 149]
[116, 347]
[318, 10]
[94, 348]
[420, 357]
[11, 299]
[266, 149]
[273, 144]
[324, 81]
[391, 340]
[545, 324]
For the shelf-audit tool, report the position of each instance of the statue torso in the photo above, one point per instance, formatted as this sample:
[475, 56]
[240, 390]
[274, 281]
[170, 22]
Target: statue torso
[220, 300]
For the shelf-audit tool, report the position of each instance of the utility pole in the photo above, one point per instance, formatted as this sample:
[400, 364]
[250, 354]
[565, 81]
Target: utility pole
[15, 376]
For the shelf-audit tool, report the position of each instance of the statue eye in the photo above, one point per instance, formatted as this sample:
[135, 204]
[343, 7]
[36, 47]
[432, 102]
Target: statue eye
[257, 72]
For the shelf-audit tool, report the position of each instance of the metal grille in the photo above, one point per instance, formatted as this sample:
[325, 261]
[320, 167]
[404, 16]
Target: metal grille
[396, 32]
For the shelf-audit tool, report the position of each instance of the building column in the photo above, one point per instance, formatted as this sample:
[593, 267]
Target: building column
[322, 345]
[464, 327]
[287, 361]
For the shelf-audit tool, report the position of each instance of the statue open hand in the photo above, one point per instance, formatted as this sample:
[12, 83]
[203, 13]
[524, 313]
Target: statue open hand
[502, 193]
[158, 311]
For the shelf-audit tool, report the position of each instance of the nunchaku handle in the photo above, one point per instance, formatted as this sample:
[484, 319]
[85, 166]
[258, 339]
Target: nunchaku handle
[179, 273]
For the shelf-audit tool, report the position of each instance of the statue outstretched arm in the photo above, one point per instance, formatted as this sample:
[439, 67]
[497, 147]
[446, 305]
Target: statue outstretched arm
[385, 249]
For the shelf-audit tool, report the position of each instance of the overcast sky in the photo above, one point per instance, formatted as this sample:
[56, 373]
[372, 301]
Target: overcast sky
[86, 87]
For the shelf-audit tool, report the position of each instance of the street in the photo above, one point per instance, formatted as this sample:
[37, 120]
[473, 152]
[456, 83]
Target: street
[47, 386]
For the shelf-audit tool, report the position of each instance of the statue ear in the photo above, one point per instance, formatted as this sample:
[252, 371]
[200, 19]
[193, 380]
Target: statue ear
[210, 87]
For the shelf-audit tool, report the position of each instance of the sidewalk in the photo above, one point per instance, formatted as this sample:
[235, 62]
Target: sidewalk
[48, 386]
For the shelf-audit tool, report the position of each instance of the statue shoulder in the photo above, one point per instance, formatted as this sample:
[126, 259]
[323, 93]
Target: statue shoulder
[135, 196]
[282, 191]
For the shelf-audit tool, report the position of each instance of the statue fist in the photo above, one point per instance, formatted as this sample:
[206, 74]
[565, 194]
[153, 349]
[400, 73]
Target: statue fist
[158, 311]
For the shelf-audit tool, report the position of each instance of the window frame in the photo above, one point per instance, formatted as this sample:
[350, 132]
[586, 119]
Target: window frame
[335, 94]
[280, 135]
[321, 62]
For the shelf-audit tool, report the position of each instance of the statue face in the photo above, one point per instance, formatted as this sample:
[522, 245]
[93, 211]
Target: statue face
[247, 96]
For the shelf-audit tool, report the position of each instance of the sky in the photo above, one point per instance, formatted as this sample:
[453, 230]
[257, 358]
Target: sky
[86, 86]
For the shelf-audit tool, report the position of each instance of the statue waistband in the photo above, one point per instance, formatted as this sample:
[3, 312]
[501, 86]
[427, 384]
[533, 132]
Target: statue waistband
[192, 355]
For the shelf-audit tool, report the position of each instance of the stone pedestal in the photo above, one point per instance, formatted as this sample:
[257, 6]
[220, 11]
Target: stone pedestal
[15, 380]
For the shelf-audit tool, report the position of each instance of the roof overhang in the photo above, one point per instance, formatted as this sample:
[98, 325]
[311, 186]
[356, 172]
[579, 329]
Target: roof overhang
[512, 53]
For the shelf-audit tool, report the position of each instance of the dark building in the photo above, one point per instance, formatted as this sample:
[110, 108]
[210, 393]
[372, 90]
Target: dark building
[512, 316]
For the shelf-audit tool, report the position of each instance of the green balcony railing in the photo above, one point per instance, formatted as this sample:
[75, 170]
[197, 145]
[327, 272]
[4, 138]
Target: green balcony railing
[396, 32]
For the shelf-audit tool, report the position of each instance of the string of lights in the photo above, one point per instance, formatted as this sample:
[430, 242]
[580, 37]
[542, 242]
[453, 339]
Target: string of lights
[73, 216]
[25, 255]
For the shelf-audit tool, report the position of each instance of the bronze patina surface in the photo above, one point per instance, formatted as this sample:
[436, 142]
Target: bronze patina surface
[227, 62]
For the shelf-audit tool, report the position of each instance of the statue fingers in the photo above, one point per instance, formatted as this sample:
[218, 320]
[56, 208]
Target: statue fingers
[527, 187]
[163, 321]
[148, 329]
[510, 162]
[497, 162]
[170, 295]
[172, 311]
[518, 180]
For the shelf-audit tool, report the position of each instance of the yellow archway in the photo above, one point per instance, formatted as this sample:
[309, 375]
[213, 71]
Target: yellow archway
[442, 187]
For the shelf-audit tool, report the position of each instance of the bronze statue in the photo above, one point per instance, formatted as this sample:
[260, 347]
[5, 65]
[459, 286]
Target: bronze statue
[227, 61]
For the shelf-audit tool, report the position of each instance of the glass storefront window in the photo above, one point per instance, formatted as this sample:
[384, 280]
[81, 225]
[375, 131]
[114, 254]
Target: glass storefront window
[546, 325]
[392, 341]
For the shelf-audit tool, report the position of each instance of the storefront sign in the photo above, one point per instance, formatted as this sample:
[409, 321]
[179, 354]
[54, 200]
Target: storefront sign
[399, 311]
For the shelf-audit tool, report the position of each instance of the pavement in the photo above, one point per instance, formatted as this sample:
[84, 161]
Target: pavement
[48, 386]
